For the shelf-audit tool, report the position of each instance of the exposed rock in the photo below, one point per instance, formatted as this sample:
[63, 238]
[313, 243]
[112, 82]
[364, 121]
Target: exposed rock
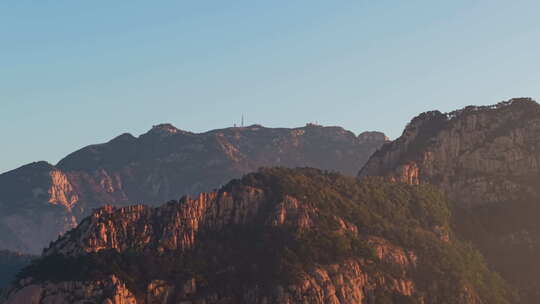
[40, 201]
[159, 291]
[373, 137]
[227, 246]
[105, 291]
[487, 160]
[478, 155]
[61, 192]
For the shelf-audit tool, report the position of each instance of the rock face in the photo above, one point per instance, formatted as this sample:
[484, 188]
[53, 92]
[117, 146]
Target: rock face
[39, 201]
[33, 209]
[275, 236]
[373, 137]
[487, 160]
[107, 291]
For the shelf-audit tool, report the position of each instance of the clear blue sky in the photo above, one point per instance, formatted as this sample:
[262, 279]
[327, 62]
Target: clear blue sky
[74, 73]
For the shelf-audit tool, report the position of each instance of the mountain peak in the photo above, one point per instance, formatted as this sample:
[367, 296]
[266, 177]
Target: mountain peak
[521, 103]
[373, 136]
[124, 137]
[165, 129]
[485, 159]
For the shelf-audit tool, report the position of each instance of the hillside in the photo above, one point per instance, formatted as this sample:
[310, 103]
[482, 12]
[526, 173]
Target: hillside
[487, 160]
[274, 236]
[39, 201]
[10, 264]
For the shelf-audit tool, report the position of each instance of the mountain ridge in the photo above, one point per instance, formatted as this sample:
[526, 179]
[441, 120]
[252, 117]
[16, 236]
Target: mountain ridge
[487, 160]
[41, 201]
[275, 236]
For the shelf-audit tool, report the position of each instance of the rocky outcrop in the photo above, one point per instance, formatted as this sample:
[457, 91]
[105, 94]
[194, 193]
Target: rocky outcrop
[487, 160]
[338, 283]
[36, 203]
[373, 137]
[257, 241]
[105, 291]
[177, 225]
[40, 201]
[60, 191]
[478, 155]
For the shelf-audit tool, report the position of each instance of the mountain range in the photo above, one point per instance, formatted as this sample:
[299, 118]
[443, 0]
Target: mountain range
[39, 201]
[446, 213]
[275, 236]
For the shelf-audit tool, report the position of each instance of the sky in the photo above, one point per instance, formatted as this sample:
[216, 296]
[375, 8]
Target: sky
[74, 73]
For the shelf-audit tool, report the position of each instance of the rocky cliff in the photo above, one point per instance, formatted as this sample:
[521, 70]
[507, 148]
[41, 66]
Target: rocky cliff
[275, 236]
[39, 201]
[487, 160]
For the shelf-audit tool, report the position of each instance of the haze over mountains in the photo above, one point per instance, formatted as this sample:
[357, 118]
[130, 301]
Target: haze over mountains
[398, 233]
[40, 201]
[10, 264]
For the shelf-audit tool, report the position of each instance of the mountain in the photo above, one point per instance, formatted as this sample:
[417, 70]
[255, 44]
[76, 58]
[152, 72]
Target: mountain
[39, 201]
[10, 264]
[275, 236]
[487, 161]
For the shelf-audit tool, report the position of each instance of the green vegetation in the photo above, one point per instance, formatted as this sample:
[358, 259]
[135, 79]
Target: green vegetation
[416, 218]
[405, 215]
[506, 232]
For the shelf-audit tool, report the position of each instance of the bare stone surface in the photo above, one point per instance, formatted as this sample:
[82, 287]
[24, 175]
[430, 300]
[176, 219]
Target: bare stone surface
[39, 201]
[487, 160]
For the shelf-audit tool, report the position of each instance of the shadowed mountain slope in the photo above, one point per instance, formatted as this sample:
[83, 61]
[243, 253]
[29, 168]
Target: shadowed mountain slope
[275, 236]
[10, 264]
[487, 160]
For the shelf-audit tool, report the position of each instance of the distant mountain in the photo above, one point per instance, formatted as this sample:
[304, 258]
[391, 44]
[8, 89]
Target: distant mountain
[10, 264]
[275, 236]
[487, 160]
[39, 201]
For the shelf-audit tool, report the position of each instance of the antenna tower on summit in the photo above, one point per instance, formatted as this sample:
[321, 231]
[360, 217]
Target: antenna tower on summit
[242, 124]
